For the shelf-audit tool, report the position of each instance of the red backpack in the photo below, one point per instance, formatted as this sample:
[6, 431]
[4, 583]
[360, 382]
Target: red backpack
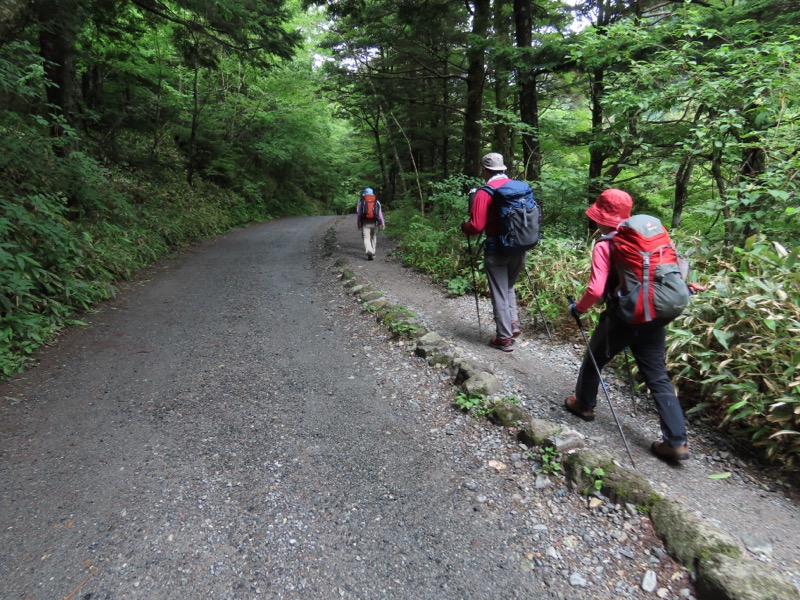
[369, 212]
[651, 272]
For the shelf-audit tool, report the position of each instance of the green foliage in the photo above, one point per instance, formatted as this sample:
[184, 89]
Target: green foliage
[562, 196]
[92, 171]
[430, 245]
[434, 244]
[596, 476]
[44, 275]
[459, 285]
[548, 460]
[107, 195]
[557, 267]
[21, 70]
[738, 121]
[737, 351]
[477, 404]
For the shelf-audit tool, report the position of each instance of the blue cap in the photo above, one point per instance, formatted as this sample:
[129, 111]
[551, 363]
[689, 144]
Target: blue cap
[367, 191]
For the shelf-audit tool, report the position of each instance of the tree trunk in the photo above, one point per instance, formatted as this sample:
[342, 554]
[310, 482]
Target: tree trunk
[719, 180]
[476, 74]
[753, 164]
[192, 164]
[58, 24]
[379, 150]
[596, 151]
[398, 184]
[446, 112]
[502, 68]
[374, 123]
[682, 178]
[528, 95]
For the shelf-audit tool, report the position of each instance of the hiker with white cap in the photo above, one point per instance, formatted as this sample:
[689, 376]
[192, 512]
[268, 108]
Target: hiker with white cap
[502, 268]
[369, 217]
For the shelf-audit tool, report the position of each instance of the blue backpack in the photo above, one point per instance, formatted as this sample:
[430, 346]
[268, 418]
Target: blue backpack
[520, 217]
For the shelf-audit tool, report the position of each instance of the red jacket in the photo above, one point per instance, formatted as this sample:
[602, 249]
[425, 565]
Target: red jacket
[481, 216]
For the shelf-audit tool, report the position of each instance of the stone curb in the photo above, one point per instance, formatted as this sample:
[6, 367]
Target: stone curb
[722, 572]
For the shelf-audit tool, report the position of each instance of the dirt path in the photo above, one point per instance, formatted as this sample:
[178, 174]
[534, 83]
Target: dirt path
[759, 511]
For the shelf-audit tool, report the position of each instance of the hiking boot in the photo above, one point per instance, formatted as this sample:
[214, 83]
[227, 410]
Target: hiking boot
[504, 344]
[670, 453]
[370, 256]
[515, 330]
[573, 406]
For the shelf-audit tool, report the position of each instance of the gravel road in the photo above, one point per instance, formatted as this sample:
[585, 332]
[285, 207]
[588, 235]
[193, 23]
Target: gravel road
[234, 426]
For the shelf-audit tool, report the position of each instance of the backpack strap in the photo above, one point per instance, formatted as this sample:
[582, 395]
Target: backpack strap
[491, 239]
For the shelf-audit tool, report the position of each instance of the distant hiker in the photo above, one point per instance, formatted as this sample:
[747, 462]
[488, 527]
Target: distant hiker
[616, 331]
[369, 217]
[504, 250]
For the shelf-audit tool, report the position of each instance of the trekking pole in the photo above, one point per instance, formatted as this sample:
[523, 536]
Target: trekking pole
[571, 300]
[474, 283]
[539, 306]
[630, 379]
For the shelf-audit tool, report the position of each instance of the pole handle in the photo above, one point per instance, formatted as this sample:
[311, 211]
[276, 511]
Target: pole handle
[571, 301]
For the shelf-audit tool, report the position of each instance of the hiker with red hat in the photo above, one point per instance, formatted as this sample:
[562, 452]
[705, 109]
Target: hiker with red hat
[613, 334]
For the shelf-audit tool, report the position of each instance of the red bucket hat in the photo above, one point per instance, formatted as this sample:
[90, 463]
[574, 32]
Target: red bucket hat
[611, 208]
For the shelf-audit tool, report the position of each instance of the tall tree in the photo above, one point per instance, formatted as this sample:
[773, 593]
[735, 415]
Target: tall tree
[528, 95]
[59, 23]
[501, 139]
[476, 77]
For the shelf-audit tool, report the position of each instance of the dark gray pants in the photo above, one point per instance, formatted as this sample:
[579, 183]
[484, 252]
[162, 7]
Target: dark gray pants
[648, 346]
[502, 271]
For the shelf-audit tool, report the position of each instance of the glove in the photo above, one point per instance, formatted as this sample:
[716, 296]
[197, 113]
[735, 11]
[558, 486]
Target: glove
[573, 310]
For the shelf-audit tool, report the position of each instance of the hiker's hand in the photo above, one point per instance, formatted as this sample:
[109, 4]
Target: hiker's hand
[383, 227]
[695, 287]
[573, 311]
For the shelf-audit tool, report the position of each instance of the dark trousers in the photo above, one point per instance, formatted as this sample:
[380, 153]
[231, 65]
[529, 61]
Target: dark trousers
[648, 346]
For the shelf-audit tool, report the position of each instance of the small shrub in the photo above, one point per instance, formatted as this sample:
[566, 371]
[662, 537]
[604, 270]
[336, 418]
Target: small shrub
[596, 476]
[476, 404]
[548, 459]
